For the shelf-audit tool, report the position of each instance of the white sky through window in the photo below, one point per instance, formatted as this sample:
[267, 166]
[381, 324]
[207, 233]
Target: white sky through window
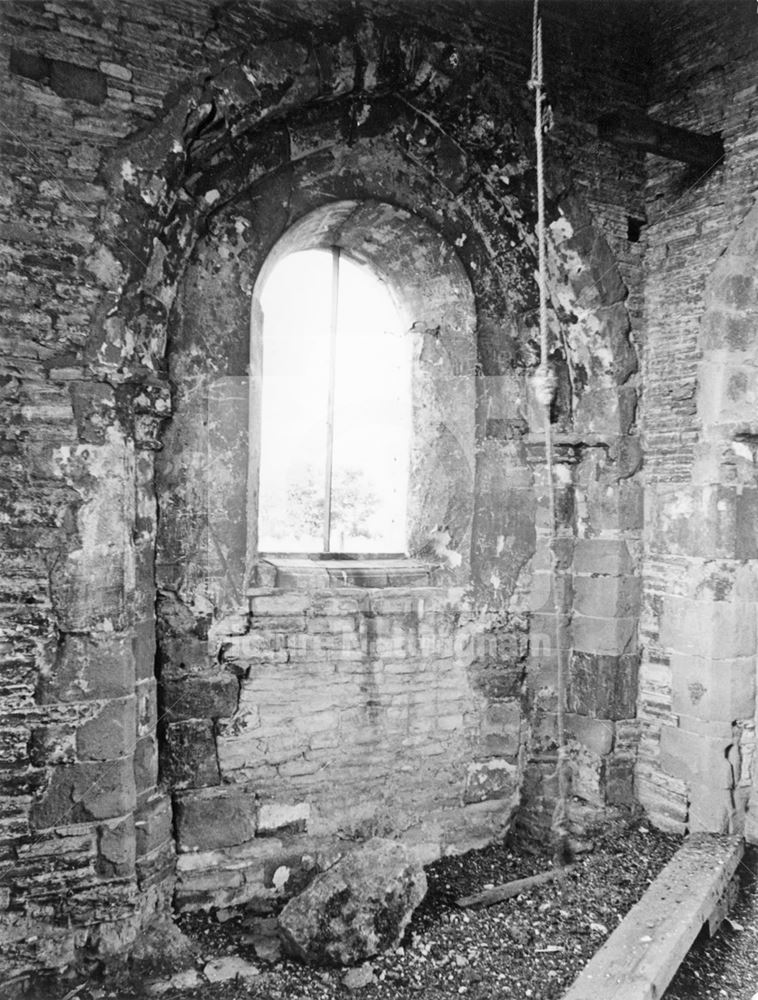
[372, 410]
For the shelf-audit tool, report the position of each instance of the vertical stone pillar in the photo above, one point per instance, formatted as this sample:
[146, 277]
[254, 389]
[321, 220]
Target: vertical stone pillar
[710, 630]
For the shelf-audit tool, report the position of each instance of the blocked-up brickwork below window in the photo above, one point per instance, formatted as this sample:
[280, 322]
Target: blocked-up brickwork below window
[331, 714]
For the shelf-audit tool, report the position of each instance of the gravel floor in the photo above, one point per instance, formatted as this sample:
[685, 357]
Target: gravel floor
[528, 947]
[727, 964]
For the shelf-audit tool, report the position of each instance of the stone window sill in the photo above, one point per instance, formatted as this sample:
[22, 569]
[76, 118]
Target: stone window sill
[302, 573]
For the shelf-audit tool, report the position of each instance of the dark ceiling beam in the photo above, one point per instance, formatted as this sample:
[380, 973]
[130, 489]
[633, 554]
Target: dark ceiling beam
[632, 128]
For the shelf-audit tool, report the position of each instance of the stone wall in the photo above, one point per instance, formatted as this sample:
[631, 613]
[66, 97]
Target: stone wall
[143, 131]
[333, 715]
[697, 679]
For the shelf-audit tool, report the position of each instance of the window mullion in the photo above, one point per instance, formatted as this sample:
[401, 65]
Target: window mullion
[330, 399]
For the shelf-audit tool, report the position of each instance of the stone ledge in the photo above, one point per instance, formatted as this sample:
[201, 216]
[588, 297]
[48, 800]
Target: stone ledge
[297, 573]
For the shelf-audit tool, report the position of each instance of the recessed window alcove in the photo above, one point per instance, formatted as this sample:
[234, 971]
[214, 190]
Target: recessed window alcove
[401, 414]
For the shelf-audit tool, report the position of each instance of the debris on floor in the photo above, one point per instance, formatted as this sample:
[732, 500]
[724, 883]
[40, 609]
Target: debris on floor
[530, 947]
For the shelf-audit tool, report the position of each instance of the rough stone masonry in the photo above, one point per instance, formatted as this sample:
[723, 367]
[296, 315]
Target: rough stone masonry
[189, 722]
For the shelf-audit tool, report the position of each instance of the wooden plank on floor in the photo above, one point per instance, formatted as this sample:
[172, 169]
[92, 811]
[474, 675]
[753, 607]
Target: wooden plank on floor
[640, 958]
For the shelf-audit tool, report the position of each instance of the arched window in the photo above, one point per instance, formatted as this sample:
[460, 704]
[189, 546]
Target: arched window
[335, 409]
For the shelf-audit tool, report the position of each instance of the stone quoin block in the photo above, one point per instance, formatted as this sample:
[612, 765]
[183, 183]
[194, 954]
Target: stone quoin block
[91, 668]
[208, 819]
[180, 655]
[596, 735]
[699, 760]
[607, 597]
[602, 686]
[702, 521]
[116, 848]
[145, 763]
[710, 810]
[713, 689]
[189, 756]
[77, 793]
[110, 733]
[619, 778]
[606, 556]
[717, 629]
[605, 636]
[143, 646]
[153, 823]
[717, 729]
[212, 696]
[746, 523]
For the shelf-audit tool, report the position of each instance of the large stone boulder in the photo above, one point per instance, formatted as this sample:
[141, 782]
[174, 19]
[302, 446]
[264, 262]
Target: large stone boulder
[358, 908]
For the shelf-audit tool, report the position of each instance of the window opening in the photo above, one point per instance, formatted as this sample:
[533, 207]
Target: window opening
[335, 410]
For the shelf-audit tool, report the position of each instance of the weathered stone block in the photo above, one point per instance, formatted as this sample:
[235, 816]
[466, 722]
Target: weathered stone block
[211, 818]
[490, 779]
[200, 697]
[91, 668]
[80, 792]
[746, 523]
[605, 636]
[596, 735]
[696, 759]
[631, 513]
[144, 648]
[619, 779]
[116, 848]
[110, 733]
[588, 776]
[280, 605]
[711, 810]
[496, 680]
[709, 629]
[189, 758]
[607, 597]
[603, 686]
[597, 411]
[607, 556]
[145, 763]
[152, 823]
[280, 818]
[181, 655]
[500, 729]
[627, 454]
[718, 729]
[146, 693]
[713, 689]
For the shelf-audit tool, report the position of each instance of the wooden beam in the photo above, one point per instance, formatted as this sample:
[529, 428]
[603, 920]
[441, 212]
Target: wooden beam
[632, 128]
[510, 889]
[641, 956]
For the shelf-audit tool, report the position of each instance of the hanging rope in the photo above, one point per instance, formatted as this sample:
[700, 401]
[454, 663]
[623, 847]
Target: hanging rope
[544, 388]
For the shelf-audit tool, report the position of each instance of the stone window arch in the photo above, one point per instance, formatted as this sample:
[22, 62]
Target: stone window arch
[209, 466]
[434, 299]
